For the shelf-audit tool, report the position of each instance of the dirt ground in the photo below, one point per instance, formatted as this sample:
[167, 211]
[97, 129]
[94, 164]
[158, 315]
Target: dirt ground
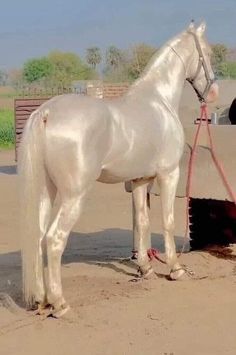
[111, 315]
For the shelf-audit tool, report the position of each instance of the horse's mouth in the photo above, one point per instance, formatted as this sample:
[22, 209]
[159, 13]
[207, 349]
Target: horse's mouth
[213, 93]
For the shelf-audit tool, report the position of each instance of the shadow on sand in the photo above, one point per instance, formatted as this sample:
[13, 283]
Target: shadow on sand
[103, 248]
[8, 170]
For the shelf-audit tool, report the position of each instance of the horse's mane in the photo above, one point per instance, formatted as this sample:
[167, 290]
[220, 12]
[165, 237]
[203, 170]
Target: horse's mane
[157, 58]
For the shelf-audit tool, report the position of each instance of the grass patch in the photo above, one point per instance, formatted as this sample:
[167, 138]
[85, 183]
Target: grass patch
[9, 95]
[7, 136]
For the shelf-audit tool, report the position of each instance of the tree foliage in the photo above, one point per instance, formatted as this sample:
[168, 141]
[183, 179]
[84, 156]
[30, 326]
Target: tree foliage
[60, 69]
[219, 53]
[57, 69]
[67, 67]
[114, 57]
[37, 69]
[93, 56]
[116, 65]
[131, 62]
[141, 54]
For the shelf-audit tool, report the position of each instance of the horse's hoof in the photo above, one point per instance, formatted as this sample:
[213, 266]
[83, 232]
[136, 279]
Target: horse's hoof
[146, 273]
[60, 311]
[43, 309]
[177, 274]
[134, 256]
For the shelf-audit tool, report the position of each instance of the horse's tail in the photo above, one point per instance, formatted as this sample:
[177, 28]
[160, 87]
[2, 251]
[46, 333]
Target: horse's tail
[33, 191]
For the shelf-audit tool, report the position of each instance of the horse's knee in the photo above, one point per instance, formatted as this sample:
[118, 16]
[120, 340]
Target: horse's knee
[168, 224]
[55, 245]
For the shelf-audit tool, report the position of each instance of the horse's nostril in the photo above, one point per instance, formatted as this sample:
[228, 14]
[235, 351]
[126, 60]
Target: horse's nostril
[213, 93]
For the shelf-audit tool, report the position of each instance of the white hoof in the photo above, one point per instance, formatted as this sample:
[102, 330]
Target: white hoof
[177, 274]
[146, 272]
[61, 311]
[43, 309]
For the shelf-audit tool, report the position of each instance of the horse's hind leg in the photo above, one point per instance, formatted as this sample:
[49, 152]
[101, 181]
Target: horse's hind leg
[168, 185]
[47, 199]
[141, 225]
[68, 213]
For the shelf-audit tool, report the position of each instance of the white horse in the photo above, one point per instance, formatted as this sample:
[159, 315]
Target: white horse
[71, 141]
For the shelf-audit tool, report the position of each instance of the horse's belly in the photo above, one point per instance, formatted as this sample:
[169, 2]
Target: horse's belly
[139, 166]
[109, 177]
[140, 159]
[126, 170]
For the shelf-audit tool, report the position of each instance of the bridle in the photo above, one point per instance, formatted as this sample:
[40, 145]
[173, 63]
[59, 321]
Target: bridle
[201, 63]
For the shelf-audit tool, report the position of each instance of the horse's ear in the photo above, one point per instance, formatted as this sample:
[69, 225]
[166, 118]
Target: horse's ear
[201, 29]
[191, 26]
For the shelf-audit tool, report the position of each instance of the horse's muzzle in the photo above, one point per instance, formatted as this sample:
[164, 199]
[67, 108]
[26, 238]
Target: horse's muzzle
[213, 93]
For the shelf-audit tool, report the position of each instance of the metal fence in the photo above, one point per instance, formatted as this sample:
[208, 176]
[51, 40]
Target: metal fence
[31, 92]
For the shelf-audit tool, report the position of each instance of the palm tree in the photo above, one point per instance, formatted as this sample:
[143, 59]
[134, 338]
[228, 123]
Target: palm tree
[93, 56]
[113, 56]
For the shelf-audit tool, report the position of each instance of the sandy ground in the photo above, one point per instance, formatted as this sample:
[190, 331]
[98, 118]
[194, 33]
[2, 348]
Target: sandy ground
[111, 315]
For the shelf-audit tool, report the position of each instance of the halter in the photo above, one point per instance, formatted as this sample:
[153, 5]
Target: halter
[201, 63]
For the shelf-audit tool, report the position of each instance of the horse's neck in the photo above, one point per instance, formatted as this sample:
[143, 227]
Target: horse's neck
[163, 79]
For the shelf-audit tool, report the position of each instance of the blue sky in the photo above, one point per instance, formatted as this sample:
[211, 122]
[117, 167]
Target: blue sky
[30, 28]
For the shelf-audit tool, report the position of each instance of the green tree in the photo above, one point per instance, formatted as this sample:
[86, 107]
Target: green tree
[132, 63]
[114, 57]
[68, 67]
[219, 53]
[36, 69]
[57, 69]
[141, 54]
[93, 56]
[116, 68]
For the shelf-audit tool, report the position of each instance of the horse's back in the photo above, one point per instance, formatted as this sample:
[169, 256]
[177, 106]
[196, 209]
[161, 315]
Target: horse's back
[65, 108]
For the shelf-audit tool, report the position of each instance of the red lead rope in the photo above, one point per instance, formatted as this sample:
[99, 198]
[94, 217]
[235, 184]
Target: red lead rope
[219, 166]
[153, 253]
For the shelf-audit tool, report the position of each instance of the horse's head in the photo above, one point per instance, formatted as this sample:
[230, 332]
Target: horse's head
[199, 71]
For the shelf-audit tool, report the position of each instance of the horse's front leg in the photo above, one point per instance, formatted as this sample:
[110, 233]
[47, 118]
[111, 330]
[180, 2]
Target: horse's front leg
[168, 185]
[141, 225]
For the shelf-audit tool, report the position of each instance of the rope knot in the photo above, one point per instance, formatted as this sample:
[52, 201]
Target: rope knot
[152, 253]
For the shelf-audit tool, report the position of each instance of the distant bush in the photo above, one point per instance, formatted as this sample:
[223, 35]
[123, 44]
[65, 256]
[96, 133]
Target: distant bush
[227, 70]
[7, 137]
[58, 69]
